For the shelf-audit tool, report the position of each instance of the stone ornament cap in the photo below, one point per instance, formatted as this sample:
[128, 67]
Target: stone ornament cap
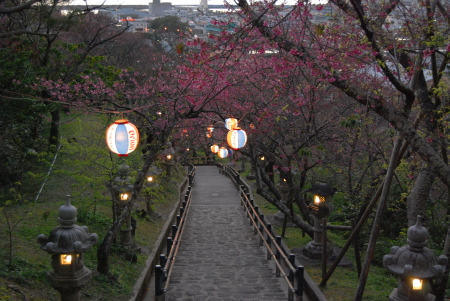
[68, 237]
[154, 171]
[122, 181]
[415, 259]
[123, 170]
[169, 149]
[417, 235]
[67, 214]
[323, 189]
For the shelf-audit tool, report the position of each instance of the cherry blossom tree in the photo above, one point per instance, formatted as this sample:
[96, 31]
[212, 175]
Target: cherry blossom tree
[381, 68]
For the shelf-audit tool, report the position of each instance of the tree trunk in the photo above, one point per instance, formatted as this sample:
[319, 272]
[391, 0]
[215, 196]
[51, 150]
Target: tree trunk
[442, 284]
[416, 203]
[105, 247]
[54, 126]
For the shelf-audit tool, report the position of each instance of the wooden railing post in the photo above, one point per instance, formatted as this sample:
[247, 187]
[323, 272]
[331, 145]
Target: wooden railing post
[300, 279]
[278, 255]
[159, 275]
[169, 244]
[269, 241]
[261, 229]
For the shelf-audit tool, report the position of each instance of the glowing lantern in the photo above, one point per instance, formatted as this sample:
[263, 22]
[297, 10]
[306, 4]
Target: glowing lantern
[122, 137]
[214, 148]
[124, 196]
[230, 153]
[222, 153]
[66, 259]
[231, 123]
[318, 199]
[180, 48]
[236, 138]
[417, 284]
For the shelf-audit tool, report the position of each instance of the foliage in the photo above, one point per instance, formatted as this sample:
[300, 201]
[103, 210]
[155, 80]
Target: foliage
[171, 24]
[20, 118]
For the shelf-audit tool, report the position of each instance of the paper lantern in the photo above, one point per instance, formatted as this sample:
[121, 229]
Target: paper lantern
[214, 148]
[122, 137]
[230, 153]
[222, 153]
[236, 138]
[231, 123]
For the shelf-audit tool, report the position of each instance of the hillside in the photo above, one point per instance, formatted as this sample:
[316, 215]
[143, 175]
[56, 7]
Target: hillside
[82, 168]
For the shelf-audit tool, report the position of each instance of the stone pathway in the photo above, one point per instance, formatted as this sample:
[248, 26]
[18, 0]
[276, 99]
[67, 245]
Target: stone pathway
[219, 256]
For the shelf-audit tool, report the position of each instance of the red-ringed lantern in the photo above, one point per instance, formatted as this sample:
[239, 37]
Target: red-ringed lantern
[214, 148]
[231, 123]
[122, 137]
[236, 138]
[223, 152]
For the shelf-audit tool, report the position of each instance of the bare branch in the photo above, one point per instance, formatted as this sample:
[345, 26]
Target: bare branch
[18, 8]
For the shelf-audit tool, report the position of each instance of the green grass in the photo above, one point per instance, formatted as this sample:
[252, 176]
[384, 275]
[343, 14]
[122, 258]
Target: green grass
[81, 170]
[343, 282]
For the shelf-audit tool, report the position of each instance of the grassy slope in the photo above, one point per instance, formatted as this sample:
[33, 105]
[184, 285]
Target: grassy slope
[342, 284]
[81, 170]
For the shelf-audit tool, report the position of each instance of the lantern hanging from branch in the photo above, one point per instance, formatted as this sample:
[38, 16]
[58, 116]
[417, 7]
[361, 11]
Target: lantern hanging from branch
[236, 138]
[231, 123]
[223, 152]
[214, 148]
[122, 137]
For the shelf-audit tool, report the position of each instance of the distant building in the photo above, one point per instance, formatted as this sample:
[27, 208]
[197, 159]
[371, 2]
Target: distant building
[323, 15]
[158, 9]
[203, 5]
[135, 25]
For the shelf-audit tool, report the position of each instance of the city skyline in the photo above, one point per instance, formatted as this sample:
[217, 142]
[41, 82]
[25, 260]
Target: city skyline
[174, 2]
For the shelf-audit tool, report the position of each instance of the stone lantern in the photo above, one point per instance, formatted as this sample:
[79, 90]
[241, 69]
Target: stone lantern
[123, 189]
[67, 243]
[320, 209]
[415, 265]
[284, 189]
[168, 156]
[152, 174]
[122, 186]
